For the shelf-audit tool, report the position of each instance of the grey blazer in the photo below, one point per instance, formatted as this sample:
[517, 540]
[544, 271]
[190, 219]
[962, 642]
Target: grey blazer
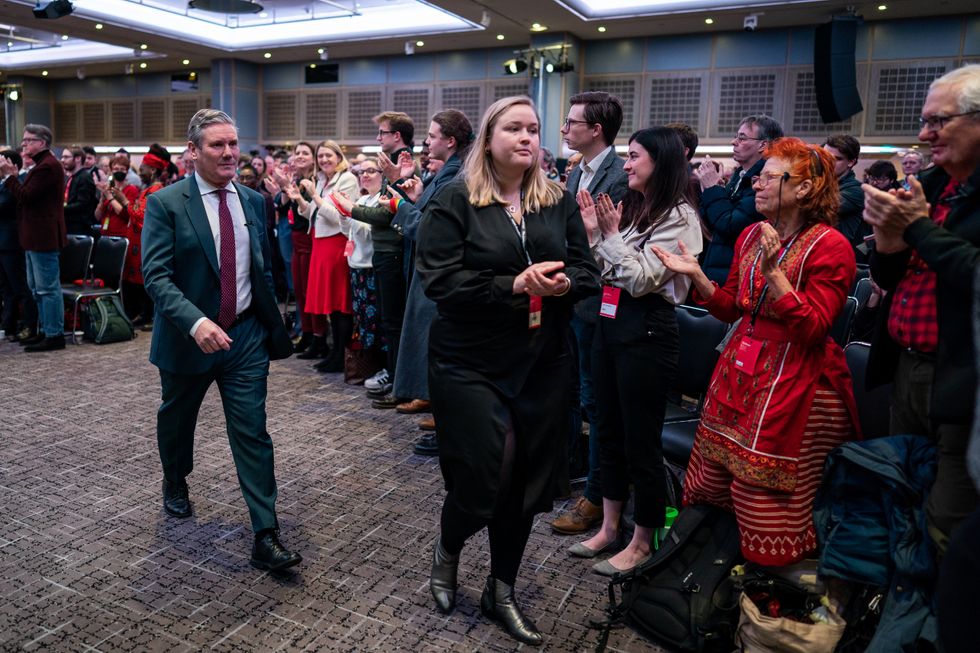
[609, 178]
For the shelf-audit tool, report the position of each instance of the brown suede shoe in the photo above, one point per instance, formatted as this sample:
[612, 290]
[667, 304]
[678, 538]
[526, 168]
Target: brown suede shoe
[414, 406]
[427, 424]
[583, 516]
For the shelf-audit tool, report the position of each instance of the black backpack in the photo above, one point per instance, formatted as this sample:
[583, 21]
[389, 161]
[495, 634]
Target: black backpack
[679, 598]
[107, 321]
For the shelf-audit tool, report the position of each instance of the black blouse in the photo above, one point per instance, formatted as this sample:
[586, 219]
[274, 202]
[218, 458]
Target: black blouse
[468, 258]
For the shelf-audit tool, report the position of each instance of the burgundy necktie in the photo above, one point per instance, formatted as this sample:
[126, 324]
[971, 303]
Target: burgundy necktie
[226, 263]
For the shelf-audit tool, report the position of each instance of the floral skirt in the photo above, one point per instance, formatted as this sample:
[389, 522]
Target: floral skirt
[365, 302]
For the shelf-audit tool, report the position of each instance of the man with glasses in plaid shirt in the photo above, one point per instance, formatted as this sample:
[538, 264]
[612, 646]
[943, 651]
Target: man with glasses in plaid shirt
[927, 246]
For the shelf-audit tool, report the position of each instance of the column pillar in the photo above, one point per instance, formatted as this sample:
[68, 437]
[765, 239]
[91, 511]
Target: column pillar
[552, 90]
[235, 86]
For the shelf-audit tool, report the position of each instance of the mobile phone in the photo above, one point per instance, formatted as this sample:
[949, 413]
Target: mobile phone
[305, 194]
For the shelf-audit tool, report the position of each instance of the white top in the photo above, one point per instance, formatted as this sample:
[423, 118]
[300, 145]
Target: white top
[243, 253]
[628, 263]
[325, 219]
[589, 168]
[360, 234]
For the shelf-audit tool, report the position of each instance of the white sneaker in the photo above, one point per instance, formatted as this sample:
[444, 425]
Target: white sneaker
[377, 381]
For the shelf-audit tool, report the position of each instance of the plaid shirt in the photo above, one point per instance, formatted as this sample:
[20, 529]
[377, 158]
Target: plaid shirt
[913, 321]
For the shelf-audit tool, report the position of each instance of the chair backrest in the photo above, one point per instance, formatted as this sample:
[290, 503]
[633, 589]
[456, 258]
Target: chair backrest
[700, 332]
[840, 330]
[109, 259]
[74, 258]
[862, 291]
[874, 406]
[862, 272]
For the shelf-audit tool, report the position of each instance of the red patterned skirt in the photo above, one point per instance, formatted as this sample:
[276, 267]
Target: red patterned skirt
[328, 288]
[775, 528]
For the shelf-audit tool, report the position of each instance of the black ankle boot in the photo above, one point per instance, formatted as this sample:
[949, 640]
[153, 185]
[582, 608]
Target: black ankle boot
[332, 363]
[304, 343]
[442, 580]
[316, 350]
[498, 603]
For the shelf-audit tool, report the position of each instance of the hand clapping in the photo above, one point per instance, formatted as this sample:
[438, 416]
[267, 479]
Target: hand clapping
[587, 208]
[608, 215]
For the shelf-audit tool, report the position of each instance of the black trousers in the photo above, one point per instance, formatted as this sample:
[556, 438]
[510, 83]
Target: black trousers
[957, 599]
[18, 303]
[389, 275]
[634, 364]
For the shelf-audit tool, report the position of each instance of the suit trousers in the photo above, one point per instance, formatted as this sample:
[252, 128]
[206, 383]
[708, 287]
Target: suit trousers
[389, 275]
[241, 374]
[18, 304]
[634, 363]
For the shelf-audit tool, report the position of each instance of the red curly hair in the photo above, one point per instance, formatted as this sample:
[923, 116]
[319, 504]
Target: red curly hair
[814, 163]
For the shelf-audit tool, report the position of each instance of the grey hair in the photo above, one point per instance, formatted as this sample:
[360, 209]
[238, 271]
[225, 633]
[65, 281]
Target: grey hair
[42, 132]
[204, 119]
[917, 153]
[965, 82]
[769, 128]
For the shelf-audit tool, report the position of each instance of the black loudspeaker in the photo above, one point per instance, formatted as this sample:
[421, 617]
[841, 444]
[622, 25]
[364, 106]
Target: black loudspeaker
[54, 9]
[834, 70]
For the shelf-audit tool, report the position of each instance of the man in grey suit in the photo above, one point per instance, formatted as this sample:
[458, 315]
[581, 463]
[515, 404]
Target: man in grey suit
[593, 122]
[206, 264]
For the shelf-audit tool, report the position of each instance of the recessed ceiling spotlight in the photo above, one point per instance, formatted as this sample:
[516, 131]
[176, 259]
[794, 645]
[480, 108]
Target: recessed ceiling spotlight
[44, 73]
[98, 26]
[319, 50]
[882, 7]
[538, 27]
[264, 14]
[312, 65]
[64, 37]
[186, 62]
[143, 46]
[143, 65]
[709, 21]
[267, 55]
[10, 44]
[420, 43]
[500, 37]
[601, 28]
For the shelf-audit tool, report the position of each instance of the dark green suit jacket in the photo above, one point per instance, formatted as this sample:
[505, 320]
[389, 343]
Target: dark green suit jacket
[180, 272]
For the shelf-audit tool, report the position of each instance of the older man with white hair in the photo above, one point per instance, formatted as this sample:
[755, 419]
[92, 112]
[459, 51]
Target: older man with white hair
[927, 246]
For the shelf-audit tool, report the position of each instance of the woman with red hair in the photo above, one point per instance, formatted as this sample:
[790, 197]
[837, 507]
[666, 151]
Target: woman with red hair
[780, 399]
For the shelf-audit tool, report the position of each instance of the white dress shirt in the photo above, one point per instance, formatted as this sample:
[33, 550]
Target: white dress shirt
[589, 168]
[243, 252]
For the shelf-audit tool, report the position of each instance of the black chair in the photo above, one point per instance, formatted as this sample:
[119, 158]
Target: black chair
[74, 258]
[840, 330]
[700, 334]
[863, 272]
[862, 292]
[107, 265]
[874, 406]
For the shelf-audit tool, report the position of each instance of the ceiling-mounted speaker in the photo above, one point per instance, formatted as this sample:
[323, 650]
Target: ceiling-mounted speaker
[54, 9]
[835, 70]
[226, 6]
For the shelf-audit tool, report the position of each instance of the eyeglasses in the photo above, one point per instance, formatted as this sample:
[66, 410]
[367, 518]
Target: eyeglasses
[741, 138]
[763, 180]
[29, 139]
[382, 132]
[368, 171]
[877, 180]
[569, 122]
[935, 123]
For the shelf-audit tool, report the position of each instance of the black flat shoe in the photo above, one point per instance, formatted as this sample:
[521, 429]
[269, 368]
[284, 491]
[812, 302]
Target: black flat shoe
[498, 603]
[175, 499]
[269, 553]
[427, 445]
[47, 344]
[442, 580]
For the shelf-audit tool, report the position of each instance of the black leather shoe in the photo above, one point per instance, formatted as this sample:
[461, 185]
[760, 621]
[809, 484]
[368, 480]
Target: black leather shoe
[32, 340]
[442, 580]
[498, 603]
[387, 402]
[47, 344]
[269, 553]
[175, 499]
[427, 445]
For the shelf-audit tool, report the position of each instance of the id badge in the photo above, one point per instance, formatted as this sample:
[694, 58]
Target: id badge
[349, 248]
[534, 312]
[748, 355]
[610, 302]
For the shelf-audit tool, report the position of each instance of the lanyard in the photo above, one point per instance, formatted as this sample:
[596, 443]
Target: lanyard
[521, 229]
[765, 288]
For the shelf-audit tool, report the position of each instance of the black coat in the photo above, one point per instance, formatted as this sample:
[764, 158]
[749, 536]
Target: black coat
[850, 217]
[8, 221]
[727, 212]
[81, 202]
[953, 253]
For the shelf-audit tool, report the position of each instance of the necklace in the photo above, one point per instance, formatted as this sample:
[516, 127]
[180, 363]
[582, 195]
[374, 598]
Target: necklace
[512, 209]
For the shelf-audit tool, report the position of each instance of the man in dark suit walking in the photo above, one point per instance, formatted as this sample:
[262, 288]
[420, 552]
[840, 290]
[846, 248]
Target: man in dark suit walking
[206, 264]
[590, 128]
[41, 230]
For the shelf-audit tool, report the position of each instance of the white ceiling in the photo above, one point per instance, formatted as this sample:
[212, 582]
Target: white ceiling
[292, 30]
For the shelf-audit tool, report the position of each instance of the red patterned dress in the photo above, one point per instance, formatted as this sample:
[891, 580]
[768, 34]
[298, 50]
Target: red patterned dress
[764, 435]
[133, 270]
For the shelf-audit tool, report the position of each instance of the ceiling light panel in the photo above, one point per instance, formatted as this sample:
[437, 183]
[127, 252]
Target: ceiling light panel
[293, 25]
[600, 9]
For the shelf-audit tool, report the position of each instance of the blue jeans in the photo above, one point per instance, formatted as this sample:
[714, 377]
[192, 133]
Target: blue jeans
[44, 280]
[284, 234]
[584, 334]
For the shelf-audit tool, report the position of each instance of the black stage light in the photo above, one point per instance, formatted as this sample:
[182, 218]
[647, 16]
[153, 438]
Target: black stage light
[54, 9]
[226, 6]
[515, 66]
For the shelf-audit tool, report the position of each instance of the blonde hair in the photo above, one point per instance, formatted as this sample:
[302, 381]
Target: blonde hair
[481, 178]
[334, 147]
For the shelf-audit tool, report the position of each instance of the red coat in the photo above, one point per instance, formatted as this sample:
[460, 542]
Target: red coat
[41, 205]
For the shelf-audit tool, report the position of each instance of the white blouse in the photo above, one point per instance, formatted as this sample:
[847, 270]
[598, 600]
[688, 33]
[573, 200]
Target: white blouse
[325, 219]
[360, 234]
